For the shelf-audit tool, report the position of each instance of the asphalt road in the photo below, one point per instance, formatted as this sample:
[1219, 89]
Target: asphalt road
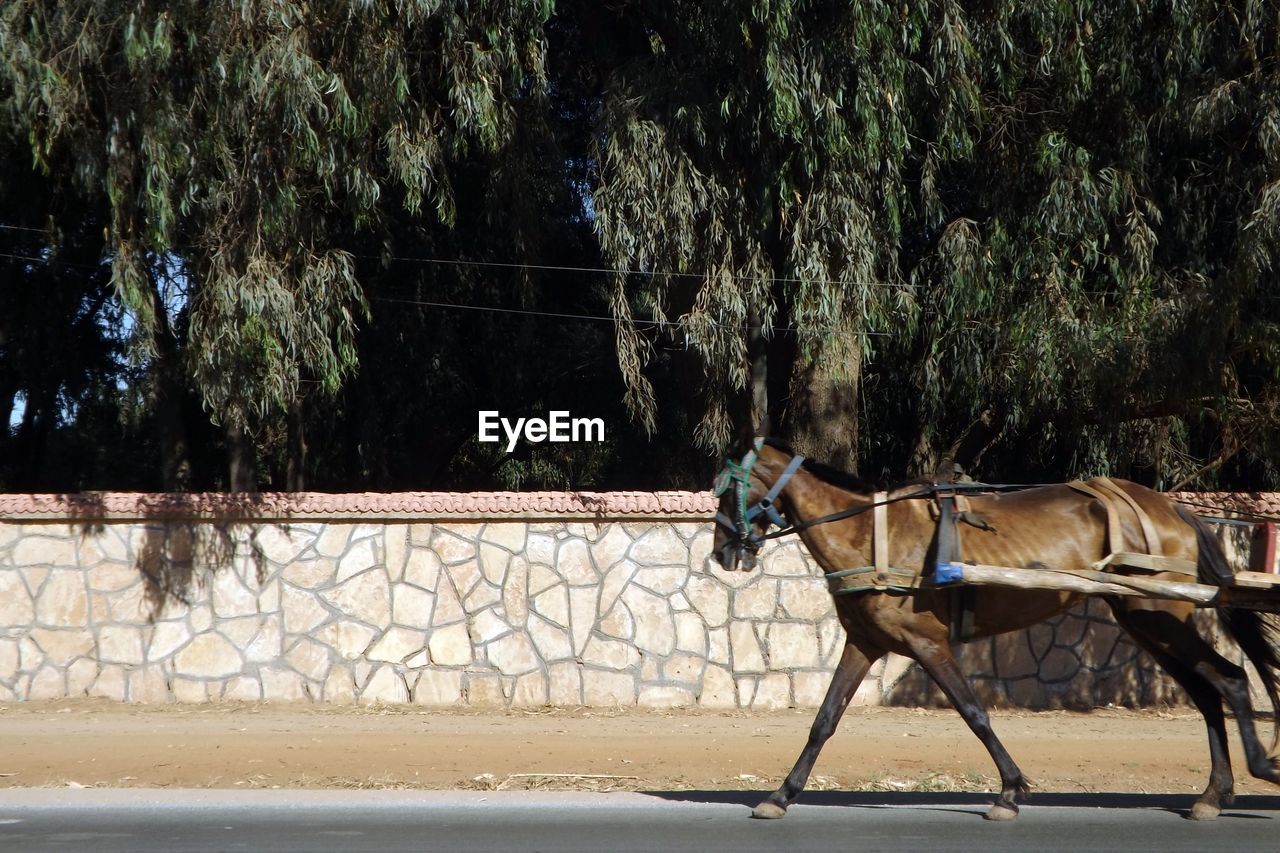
[113, 821]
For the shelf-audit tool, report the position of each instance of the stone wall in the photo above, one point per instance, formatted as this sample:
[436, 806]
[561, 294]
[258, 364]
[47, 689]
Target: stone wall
[508, 600]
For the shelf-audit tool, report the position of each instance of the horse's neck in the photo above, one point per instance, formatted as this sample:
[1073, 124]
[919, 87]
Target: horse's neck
[836, 543]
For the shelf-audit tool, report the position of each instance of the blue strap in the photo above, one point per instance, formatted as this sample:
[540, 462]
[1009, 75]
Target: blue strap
[948, 572]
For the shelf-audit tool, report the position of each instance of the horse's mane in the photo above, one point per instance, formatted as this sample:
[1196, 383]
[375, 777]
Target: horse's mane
[825, 472]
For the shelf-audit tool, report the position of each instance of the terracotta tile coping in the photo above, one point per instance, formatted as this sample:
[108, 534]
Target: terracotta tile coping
[444, 506]
[374, 506]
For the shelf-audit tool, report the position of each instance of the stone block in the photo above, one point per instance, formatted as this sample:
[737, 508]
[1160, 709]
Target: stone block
[608, 689]
[167, 638]
[411, 606]
[395, 545]
[190, 691]
[349, 640]
[450, 645]
[333, 539]
[120, 644]
[618, 623]
[541, 548]
[302, 611]
[664, 580]
[791, 645]
[746, 648]
[450, 548]
[60, 647]
[510, 535]
[660, 546]
[81, 675]
[710, 598]
[268, 642]
[208, 656]
[485, 691]
[17, 609]
[283, 543]
[691, 634]
[655, 625]
[229, 596]
[757, 601]
[45, 551]
[513, 655]
[610, 547]
[583, 602]
[366, 597]
[422, 569]
[684, 668]
[487, 625]
[112, 577]
[551, 641]
[530, 691]
[564, 684]
[717, 690]
[553, 605]
[493, 563]
[515, 592]
[282, 685]
[310, 659]
[438, 687]
[809, 688]
[242, 689]
[110, 684]
[311, 574]
[361, 556]
[574, 563]
[665, 696]
[773, 692]
[805, 598]
[64, 600]
[610, 654]
[385, 685]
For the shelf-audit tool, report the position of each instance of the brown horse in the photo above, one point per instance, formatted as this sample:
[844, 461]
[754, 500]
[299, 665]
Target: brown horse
[1050, 526]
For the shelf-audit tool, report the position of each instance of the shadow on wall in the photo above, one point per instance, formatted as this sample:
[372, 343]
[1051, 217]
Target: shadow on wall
[176, 552]
[1078, 660]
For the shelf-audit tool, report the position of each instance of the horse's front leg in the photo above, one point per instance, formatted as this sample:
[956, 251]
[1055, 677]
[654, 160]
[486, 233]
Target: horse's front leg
[850, 671]
[940, 663]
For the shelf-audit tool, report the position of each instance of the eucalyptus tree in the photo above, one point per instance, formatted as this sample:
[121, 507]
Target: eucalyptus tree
[242, 146]
[1036, 231]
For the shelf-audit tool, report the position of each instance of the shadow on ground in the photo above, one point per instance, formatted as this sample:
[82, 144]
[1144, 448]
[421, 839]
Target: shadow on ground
[1178, 803]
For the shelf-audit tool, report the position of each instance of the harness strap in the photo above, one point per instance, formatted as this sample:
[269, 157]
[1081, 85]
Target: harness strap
[766, 503]
[1148, 529]
[1115, 535]
[880, 536]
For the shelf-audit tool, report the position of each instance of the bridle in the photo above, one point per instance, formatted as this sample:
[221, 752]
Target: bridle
[737, 476]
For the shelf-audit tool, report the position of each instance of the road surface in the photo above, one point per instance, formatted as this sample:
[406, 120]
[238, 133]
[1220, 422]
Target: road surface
[143, 821]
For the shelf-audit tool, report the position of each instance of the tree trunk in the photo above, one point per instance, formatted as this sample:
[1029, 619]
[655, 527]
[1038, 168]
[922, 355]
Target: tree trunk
[242, 470]
[175, 455]
[822, 410]
[296, 463]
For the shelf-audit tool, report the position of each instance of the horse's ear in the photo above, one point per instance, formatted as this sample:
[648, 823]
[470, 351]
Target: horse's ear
[765, 428]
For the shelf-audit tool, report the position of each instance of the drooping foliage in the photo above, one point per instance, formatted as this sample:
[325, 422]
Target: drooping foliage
[1035, 238]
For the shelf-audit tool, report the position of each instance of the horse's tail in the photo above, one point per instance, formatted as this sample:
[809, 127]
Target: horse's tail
[1257, 634]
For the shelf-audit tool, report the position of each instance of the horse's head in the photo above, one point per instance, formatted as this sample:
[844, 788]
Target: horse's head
[747, 508]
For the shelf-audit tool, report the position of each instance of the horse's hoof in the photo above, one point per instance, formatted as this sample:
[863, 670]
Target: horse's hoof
[1001, 812]
[768, 811]
[1204, 811]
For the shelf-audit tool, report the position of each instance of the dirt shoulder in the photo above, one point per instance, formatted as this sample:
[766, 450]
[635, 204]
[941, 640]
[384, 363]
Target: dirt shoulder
[95, 743]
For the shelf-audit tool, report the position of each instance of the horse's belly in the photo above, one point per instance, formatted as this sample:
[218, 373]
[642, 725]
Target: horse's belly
[996, 610]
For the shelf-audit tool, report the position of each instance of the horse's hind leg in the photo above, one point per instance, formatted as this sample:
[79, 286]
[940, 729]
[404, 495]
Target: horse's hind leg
[1193, 662]
[941, 665]
[850, 671]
